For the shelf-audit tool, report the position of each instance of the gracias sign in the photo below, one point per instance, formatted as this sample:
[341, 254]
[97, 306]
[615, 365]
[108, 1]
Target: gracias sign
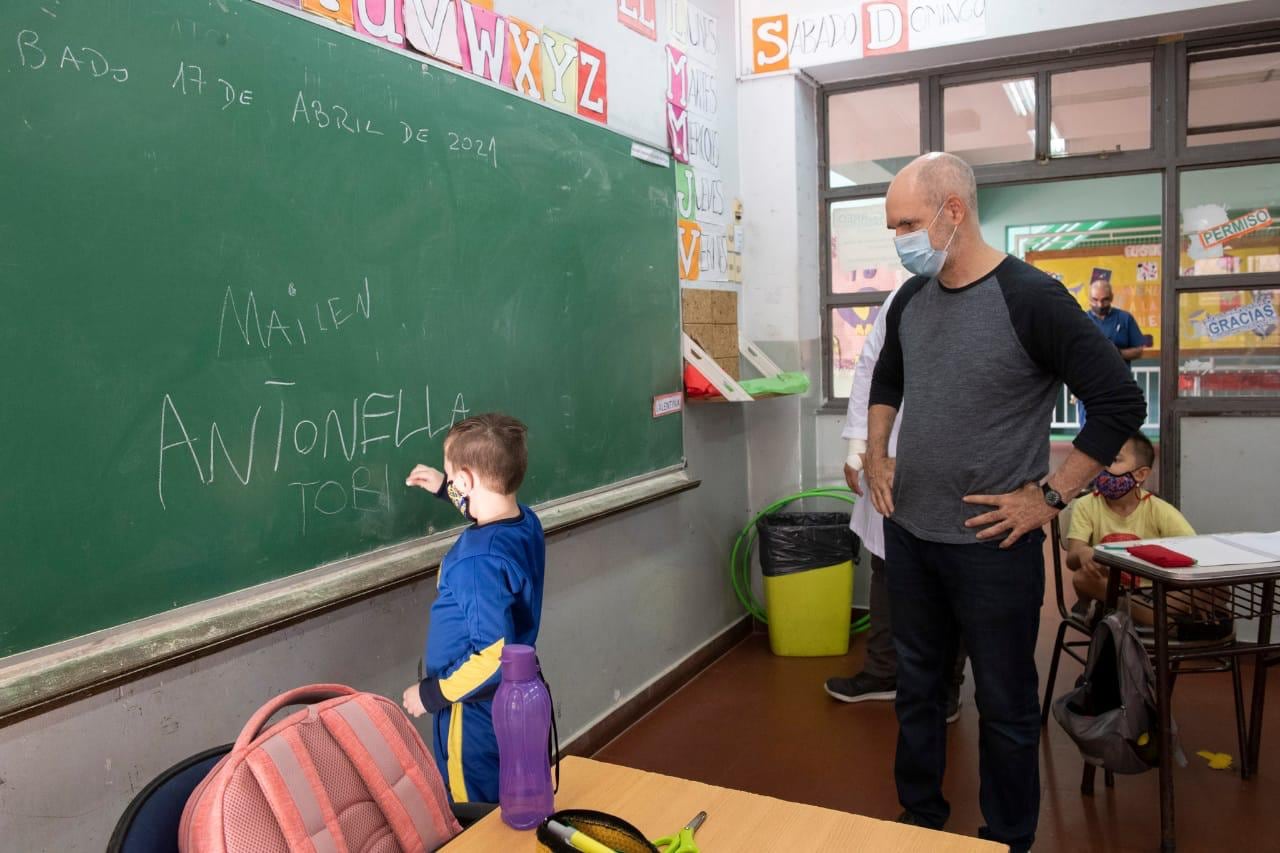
[806, 34]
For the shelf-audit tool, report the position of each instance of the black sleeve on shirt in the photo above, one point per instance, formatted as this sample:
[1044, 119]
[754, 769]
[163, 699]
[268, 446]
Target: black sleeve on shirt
[432, 699]
[887, 382]
[443, 492]
[1060, 339]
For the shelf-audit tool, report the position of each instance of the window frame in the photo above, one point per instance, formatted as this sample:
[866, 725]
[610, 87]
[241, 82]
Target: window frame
[1169, 155]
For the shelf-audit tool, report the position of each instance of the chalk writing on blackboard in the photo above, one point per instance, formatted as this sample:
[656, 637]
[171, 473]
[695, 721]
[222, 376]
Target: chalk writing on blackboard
[85, 60]
[286, 326]
[373, 418]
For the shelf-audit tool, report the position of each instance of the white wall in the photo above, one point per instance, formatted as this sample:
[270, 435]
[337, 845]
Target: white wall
[1228, 468]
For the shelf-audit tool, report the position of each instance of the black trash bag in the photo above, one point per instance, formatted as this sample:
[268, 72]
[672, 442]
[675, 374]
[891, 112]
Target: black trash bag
[799, 541]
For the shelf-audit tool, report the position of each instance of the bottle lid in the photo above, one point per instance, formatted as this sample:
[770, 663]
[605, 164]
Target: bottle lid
[519, 663]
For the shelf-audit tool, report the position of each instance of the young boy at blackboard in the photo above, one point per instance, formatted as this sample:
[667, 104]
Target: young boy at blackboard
[490, 594]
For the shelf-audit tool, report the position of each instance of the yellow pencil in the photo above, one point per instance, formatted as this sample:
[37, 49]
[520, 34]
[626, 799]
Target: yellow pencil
[576, 839]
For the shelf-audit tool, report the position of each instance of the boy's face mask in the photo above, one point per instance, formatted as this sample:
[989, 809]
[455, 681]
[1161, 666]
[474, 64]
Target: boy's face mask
[458, 499]
[1115, 486]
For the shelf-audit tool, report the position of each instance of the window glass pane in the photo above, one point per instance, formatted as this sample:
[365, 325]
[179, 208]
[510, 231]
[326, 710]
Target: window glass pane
[862, 254]
[849, 330]
[990, 122]
[872, 134]
[1229, 344]
[1238, 90]
[1081, 231]
[1100, 109]
[1229, 220]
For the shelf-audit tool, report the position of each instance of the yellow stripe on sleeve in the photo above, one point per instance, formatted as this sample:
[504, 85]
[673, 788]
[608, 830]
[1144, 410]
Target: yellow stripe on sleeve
[478, 669]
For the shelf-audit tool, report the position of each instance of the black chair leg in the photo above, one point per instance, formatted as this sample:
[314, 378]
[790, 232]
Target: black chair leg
[1242, 739]
[1053, 673]
[1086, 781]
[1109, 778]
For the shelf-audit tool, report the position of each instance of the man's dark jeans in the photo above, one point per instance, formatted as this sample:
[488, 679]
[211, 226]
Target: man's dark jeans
[993, 597]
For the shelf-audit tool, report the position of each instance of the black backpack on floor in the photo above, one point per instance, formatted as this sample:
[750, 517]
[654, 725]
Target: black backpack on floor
[1112, 714]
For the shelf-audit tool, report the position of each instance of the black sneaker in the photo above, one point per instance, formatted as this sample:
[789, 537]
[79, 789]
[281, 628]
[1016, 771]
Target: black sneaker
[911, 820]
[862, 688]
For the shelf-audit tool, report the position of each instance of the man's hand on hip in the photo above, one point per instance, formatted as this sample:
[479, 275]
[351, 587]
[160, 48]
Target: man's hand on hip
[880, 482]
[1015, 515]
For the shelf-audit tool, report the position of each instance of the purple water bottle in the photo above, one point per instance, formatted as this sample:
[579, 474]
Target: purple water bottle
[522, 721]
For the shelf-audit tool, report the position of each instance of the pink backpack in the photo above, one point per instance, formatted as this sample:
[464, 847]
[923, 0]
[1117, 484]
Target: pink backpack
[346, 774]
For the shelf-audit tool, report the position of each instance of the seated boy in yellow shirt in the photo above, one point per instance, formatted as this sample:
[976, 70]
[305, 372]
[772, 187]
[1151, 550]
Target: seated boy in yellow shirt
[1119, 508]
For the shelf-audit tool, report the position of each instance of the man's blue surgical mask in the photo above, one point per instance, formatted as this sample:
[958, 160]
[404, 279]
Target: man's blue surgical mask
[916, 251]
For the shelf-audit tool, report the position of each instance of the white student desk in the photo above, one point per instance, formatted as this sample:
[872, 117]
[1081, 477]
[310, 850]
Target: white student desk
[1246, 591]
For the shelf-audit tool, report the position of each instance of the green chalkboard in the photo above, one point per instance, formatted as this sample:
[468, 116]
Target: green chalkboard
[251, 269]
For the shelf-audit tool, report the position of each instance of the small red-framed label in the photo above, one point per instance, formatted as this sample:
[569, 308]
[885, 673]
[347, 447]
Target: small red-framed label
[668, 404]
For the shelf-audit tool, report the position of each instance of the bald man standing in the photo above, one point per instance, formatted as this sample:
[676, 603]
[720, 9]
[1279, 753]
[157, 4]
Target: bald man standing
[1116, 324]
[975, 346]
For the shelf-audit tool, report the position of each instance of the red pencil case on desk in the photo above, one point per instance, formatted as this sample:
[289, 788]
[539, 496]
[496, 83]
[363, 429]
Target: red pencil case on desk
[1161, 556]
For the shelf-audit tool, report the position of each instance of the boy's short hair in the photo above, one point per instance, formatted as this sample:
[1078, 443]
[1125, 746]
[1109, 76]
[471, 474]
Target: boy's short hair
[1143, 449]
[493, 446]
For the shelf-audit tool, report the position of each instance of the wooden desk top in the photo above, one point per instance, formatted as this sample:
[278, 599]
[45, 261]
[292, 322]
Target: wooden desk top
[737, 822]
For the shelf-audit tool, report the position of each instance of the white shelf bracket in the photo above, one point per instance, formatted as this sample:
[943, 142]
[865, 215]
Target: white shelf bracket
[706, 365]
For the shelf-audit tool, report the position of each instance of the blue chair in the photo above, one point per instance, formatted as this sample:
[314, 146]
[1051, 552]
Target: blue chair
[150, 823]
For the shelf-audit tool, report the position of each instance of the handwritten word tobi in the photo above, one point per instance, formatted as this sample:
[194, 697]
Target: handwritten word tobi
[287, 326]
[84, 60]
[330, 497]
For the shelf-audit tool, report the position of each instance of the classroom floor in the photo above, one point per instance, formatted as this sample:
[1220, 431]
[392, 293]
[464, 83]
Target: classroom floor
[762, 723]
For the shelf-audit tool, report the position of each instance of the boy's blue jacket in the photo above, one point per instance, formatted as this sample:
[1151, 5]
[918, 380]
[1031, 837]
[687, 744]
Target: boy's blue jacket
[490, 594]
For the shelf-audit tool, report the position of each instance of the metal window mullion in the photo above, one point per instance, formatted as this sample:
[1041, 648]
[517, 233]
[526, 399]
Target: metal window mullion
[1067, 168]
[933, 133]
[859, 299]
[824, 145]
[1226, 281]
[1226, 153]
[1231, 406]
[1162, 102]
[1172, 80]
[855, 193]
[1170, 251]
[1041, 149]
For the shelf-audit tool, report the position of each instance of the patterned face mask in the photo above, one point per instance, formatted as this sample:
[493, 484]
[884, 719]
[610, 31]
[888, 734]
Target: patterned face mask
[1115, 486]
[458, 499]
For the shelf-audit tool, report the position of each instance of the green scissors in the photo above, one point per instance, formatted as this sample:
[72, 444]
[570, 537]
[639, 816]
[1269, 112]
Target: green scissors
[682, 842]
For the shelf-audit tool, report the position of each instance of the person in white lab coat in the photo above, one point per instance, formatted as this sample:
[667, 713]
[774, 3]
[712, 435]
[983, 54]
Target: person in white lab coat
[878, 679]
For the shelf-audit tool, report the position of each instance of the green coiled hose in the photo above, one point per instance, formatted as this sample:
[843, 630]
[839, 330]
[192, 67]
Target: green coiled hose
[740, 557]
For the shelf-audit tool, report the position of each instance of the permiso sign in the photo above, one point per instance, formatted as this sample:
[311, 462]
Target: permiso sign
[778, 41]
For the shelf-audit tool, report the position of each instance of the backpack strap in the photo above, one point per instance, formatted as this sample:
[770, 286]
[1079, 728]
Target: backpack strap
[413, 810]
[297, 798]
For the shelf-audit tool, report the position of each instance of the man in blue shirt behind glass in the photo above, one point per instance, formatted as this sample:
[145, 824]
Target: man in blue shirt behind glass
[1116, 324]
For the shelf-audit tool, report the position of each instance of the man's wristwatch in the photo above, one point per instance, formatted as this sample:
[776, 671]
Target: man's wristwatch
[1052, 497]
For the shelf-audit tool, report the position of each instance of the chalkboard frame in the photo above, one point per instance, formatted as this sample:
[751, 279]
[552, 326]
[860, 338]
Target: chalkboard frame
[40, 680]
[98, 654]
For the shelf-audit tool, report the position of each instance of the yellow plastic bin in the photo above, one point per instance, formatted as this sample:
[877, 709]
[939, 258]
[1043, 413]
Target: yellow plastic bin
[807, 563]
